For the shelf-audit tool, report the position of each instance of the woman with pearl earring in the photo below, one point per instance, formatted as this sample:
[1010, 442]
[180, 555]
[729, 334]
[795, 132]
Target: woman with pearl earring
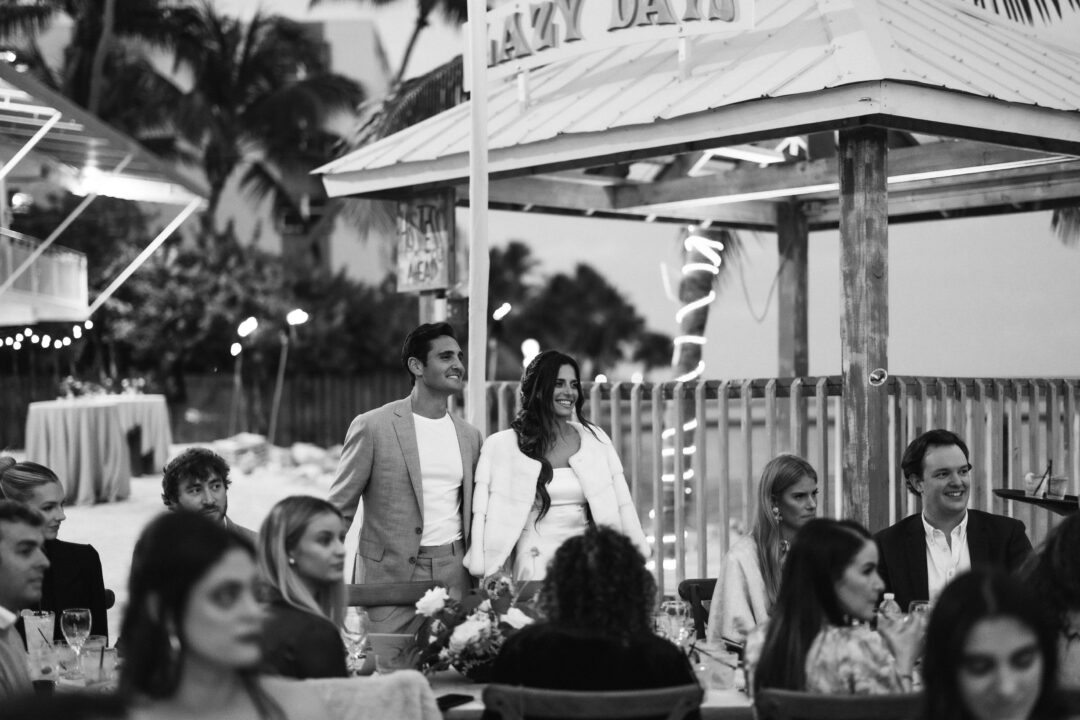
[750, 573]
[301, 559]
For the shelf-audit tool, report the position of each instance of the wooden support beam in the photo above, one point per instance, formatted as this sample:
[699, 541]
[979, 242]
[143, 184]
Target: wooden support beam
[929, 158]
[792, 234]
[792, 289]
[864, 324]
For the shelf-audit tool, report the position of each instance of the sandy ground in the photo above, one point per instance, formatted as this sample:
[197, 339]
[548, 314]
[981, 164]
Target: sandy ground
[112, 528]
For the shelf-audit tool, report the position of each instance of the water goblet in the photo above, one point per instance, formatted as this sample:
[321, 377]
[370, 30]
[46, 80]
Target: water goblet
[75, 624]
[355, 629]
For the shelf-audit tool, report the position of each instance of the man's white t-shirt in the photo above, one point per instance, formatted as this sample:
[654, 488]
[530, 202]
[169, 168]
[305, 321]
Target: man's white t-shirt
[442, 470]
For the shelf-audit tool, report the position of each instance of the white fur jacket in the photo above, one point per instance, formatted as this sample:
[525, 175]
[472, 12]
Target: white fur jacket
[505, 490]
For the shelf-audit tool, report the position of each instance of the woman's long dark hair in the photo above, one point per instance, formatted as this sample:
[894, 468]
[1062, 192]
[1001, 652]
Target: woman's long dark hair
[535, 421]
[967, 600]
[172, 554]
[1054, 574]
[598, 582]
[821, 552]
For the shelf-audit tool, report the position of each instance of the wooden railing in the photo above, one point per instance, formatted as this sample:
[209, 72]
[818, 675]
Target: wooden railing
[730, 429]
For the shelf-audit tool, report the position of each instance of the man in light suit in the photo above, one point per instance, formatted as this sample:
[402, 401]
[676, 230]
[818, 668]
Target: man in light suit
[923, 552]
[412, 462]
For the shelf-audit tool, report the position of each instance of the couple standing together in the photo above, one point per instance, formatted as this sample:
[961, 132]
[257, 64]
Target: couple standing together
[437, 506]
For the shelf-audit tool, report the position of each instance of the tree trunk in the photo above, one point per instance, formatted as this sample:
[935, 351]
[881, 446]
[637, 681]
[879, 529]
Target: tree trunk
[421, 23]
[97, 72]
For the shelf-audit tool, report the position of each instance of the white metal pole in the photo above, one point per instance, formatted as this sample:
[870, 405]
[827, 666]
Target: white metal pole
[476, 401]
[138, 261]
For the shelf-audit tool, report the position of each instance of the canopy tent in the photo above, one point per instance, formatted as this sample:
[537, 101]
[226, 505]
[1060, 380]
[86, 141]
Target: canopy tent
[87, 157]
[991, 109]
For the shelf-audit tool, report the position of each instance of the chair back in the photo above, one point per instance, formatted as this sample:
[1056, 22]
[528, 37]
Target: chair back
[400, 593]
[773, 704]
[514, 702]
[696, 591]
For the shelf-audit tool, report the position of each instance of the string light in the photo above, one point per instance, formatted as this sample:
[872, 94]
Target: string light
[76, 332]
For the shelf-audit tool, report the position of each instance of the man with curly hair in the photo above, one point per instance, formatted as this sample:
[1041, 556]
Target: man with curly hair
[198, 481]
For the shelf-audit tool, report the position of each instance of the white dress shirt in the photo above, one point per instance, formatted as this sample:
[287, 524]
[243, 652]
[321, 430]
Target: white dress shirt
[945, 560]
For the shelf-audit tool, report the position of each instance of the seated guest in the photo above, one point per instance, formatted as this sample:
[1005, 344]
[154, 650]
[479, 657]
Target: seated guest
[923, 552]
[750, 573]
[1054, 578]
[22, 570]
[198, 481]
[192, 629]
[817, 639]
[73, 579]
[301, 563]
[991, 653]
[598, 599]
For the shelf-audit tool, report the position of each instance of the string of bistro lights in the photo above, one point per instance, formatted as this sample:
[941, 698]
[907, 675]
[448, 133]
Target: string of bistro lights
[29, 336]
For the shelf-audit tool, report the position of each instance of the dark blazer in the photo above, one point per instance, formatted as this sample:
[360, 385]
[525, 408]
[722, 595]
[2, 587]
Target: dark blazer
[548, 656]
[300, 644]
[993, 540]
[73, 580]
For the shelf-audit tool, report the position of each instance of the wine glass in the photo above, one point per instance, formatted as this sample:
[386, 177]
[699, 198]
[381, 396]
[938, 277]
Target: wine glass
[919, 611]
[75, 624]
[354, 629]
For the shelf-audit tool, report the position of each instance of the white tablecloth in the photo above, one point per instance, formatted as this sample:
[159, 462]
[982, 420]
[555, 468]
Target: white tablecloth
[84, 441]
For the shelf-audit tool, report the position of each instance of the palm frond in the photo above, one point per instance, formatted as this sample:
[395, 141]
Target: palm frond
[1024, 10]
[1065, 222]
[414, 100]
[25, 18]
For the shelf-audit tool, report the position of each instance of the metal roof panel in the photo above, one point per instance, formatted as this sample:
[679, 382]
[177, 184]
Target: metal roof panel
[796, 49]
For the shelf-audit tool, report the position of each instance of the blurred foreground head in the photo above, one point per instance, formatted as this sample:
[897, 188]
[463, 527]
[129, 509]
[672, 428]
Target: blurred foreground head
[990, 652]
[190, 601]
[598, 581]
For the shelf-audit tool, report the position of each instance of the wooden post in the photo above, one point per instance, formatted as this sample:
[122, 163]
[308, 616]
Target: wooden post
[864, 324]
[792, 303]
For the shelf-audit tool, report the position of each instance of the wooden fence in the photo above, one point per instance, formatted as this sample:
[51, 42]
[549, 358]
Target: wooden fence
[730, 429]
[693, 499]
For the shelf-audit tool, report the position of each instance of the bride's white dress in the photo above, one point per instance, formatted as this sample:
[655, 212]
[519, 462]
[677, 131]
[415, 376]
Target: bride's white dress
[565, 518]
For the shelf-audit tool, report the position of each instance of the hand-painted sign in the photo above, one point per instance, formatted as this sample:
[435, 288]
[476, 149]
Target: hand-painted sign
[425, 242]
[524, 34]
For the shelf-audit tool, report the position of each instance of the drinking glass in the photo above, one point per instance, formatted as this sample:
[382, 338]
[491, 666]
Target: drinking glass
[919, 611]
[75, 624]
[354, 630]
[674, 615]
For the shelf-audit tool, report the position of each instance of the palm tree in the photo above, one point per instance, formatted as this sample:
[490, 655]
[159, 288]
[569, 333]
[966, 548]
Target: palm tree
[259, 100]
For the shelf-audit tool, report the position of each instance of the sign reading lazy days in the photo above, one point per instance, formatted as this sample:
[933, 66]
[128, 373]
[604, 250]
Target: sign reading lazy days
[525, 34]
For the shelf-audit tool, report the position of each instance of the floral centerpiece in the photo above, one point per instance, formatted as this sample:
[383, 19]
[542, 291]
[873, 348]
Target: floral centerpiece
[468, 634]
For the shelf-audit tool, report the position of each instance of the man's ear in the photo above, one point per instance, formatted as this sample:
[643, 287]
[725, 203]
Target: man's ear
[915, 483]
[415, 366]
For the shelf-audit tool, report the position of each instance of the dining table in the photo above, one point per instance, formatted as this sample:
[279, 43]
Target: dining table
[717, 705]
[1063, 505]
[84, 440]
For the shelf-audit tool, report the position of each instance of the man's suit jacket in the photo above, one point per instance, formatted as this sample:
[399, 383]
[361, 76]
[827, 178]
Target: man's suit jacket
[250, 535]
[381, 463]
[74, 580]
[993, 540]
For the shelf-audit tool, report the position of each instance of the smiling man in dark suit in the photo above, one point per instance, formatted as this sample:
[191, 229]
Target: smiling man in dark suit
[924, 552]
[412, 462]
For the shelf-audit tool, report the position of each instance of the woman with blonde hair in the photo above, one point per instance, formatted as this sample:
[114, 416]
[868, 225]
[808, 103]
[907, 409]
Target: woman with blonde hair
[750, 573]
[301, 557]
[74, 578]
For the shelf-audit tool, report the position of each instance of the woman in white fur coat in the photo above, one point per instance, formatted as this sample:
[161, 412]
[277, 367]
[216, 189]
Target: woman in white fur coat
[547, 478]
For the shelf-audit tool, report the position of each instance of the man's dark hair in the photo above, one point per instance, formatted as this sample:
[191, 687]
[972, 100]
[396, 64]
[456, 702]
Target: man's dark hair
[418, 343]
[192, 464]
[911, 465]
[17, 512]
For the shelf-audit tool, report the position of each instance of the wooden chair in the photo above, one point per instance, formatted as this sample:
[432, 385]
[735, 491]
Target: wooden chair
[772, 704]
[696, 592]
[514, 702]
[402, 593]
